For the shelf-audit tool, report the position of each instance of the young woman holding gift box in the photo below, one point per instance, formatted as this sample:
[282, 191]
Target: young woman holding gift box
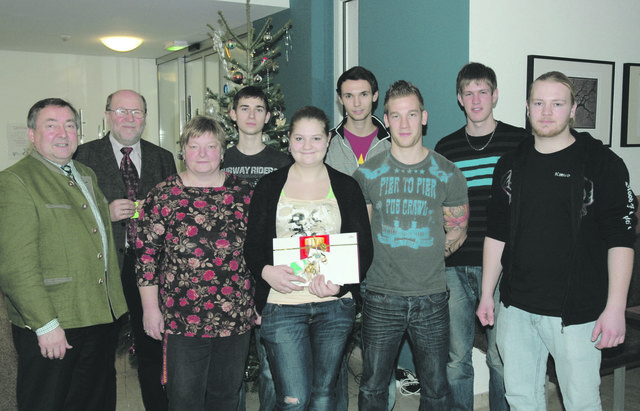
[305, 327]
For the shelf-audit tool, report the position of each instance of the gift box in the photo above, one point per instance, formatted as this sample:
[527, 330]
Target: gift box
[333, 255]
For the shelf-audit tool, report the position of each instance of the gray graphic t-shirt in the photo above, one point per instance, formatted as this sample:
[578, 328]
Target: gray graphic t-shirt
[407, 221]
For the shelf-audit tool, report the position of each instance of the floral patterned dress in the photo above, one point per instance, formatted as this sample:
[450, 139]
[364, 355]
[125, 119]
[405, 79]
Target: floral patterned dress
[190, 244]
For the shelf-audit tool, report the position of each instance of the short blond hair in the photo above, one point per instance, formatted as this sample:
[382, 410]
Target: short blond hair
[200, 125]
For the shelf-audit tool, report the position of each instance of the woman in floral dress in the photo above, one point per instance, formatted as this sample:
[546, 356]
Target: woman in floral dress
[196, 291]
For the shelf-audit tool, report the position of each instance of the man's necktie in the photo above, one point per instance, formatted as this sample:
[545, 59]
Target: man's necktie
[67, 169]
[131, 182]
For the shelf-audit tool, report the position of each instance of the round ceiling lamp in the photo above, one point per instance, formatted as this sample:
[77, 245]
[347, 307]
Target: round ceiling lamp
[121, 43]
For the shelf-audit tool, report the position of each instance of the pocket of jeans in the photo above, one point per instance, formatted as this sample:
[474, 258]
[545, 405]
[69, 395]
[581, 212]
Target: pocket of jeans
[372, 297]
[269, 310]
[347, 304]
[439, 298]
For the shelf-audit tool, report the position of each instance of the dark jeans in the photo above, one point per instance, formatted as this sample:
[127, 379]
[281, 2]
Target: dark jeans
[342, 385]
[80, 381]
[465, 284]
[148, 351]
[305, 344]
[266, 390]
[205, 373]
[385, 320]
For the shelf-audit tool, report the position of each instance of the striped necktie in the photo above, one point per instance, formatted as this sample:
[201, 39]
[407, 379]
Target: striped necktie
[131, 182]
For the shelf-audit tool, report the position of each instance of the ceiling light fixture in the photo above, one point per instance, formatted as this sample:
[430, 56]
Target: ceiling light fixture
[175, 45]
[121, 43]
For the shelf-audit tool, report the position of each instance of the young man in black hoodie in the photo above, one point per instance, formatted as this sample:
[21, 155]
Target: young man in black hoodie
[561, 228]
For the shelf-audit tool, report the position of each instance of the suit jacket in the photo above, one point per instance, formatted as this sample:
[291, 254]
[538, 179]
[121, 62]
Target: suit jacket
[157, 165]
[51, 251]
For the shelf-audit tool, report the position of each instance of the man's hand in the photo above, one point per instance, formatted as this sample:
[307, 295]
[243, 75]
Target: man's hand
[610, 327]
[53, 345]
[485, 311]
[121, 209]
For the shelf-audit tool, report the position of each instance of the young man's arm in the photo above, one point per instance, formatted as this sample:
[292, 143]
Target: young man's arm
[491, 269]
[456, 222]
[616, 221]
[610, 326]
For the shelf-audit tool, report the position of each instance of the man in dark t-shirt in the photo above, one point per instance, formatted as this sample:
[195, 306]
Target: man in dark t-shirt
[251, 159]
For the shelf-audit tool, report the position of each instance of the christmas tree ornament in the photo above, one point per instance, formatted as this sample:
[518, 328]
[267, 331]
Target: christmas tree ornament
[257, 78]
[267, 37]
[237, 77]
[231, 44]
[287, 43]
[210, 108]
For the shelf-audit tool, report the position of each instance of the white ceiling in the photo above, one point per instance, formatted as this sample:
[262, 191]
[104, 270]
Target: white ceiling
[40, 25]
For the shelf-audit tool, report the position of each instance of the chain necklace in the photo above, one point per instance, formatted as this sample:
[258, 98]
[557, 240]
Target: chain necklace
[485, 146]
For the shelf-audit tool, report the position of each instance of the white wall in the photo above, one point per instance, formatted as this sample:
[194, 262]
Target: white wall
[85, 81]
[503, 32]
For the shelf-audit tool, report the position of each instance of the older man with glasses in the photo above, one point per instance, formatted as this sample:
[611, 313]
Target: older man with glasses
[128, 168]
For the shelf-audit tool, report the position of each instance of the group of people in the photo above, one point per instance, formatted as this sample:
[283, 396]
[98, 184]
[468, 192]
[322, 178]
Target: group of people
[549, 217]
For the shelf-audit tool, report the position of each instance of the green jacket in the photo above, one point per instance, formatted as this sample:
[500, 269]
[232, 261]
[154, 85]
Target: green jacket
[51, 254]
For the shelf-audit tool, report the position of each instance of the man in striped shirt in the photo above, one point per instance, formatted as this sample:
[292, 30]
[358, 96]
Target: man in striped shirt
[475, 149]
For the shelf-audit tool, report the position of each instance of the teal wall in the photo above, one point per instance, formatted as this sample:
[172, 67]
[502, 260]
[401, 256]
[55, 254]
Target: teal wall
[307, 78]
[421, 41]
[425, 42]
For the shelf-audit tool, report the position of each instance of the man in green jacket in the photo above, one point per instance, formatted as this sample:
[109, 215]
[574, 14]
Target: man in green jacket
[58, 269]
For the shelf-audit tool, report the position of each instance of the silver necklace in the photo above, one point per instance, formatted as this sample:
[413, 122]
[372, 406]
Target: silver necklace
[485, 146]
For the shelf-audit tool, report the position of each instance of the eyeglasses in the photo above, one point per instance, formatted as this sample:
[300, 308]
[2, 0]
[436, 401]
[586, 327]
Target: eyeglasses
[123, 112]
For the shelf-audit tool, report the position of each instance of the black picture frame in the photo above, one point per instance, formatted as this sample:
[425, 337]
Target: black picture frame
[630, 129]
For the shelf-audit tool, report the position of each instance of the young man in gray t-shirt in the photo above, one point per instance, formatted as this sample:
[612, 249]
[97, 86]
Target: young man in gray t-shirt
[419, 209]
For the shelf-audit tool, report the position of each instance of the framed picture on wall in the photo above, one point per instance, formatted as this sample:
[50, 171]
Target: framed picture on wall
[593, 82]
[630, 133]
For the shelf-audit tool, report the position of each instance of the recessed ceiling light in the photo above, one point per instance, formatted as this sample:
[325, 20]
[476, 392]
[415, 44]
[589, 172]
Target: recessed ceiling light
[175, 45]
[121, 43]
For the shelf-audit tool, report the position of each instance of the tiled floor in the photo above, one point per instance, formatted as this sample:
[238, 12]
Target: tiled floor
[129, 392]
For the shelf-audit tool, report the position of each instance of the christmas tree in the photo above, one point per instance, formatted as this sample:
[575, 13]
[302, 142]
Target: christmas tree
[250, 62]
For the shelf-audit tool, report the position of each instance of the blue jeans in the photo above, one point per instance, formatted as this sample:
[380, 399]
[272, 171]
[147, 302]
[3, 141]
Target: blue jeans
[205, 373]
[266, 390]
[464, 285]
[385, 319]
[305, 344]
[525, 341]
[342, 385]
